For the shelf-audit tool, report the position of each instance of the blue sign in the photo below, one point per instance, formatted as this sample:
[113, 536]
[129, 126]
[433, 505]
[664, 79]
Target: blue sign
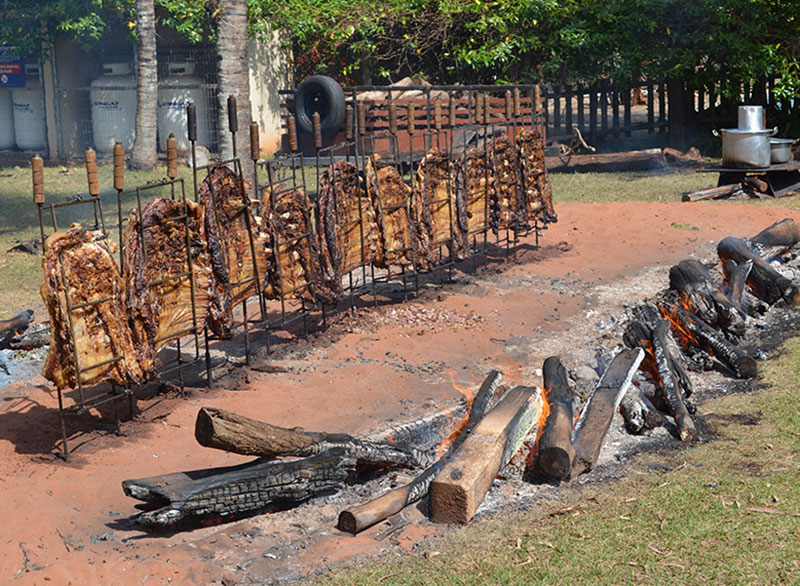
[12, 68]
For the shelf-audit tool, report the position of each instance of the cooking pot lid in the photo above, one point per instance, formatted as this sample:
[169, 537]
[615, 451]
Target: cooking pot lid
[740, 131]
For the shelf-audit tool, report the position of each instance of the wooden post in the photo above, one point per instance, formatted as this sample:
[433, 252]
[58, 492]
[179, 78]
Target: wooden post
[462, 484]
[593, 114]
[651, 108]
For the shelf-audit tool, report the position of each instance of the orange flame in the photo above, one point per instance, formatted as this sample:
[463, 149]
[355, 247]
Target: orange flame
[469, 398]
[540, 425]
[683, 336]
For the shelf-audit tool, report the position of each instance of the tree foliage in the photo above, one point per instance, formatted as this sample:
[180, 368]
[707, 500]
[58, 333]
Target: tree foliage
[704, 41]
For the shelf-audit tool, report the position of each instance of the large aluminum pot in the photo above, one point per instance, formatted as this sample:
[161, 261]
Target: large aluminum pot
[751, 118]
[780, 150]
[746, 149]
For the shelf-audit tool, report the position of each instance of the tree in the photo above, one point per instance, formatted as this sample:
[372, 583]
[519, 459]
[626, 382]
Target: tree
[234, 79]
[144, 147]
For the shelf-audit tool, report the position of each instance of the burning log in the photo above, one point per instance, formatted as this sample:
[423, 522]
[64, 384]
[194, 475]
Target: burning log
[639, 412]
[16, 325]
[711, 340]
[595, 419]
[692, 280]
[767, 283]
[223, 430]
[639, 334]
[464, 481]
[555, 452]
[239, 490]
[736, 277]
[773, 241]
[358, 518]
[670, 380]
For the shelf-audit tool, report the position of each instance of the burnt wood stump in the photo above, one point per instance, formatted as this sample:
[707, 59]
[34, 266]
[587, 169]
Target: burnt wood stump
[555, 452]
[767, 283]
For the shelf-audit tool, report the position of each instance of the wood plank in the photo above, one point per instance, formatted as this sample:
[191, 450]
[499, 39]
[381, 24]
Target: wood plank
[360, 517]
[462, 484]
[598, 412]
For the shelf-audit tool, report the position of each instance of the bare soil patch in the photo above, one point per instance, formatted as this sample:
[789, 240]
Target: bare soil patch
[68, 522]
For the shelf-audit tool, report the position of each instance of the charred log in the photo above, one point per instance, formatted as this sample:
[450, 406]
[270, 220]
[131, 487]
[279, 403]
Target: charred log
[554, 448]
[595, 419]
[765, 281]
[775, 240]
[670, 380]
[356, 519]
[638, 412]
[239, 490]
[15, 325]
[464, 481]
[710, 340]
[692, 280]
[223, 430]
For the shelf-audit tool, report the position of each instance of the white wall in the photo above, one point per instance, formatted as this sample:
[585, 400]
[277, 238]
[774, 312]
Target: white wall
[270, 71]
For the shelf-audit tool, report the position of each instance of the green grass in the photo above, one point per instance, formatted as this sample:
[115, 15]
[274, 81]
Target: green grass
[20, 273]
[723, 512]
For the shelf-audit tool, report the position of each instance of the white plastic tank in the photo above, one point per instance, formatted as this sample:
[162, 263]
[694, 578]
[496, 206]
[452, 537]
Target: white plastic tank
[7, 139]
[174, 94]
[113, 99]
[30, 126]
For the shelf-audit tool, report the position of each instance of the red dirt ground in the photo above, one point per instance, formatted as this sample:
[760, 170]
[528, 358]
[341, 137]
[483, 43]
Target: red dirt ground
[64, 523]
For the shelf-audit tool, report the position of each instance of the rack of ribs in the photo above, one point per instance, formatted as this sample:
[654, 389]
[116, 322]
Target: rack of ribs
[437, 224]
[84, 295]
[232, 239]
[348, 231]
[165, 264]
[390, 196]
[294, 272]
[508, 204]
[471, 185]
[535, 180]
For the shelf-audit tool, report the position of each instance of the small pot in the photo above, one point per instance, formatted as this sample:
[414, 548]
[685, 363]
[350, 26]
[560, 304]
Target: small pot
[780, 150]
[751, 118]
[746, 149]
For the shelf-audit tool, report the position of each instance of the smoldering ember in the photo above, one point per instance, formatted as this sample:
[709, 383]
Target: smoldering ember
[426, 340]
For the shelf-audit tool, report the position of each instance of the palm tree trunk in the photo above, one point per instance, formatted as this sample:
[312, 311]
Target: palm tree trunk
[234, 80]
[144, 147]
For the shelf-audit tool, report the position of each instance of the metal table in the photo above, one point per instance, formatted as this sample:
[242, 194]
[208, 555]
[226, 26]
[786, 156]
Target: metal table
[781, 179]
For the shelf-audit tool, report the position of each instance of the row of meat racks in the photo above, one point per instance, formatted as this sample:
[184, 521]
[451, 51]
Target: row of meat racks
[185, 263]
[695, 324]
